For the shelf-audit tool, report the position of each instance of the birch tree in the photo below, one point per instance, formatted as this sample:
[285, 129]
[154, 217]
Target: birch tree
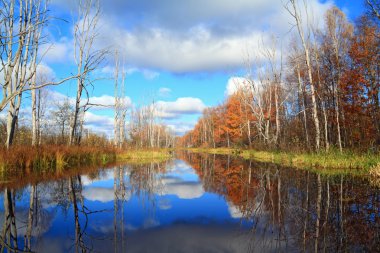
[338, 35]
[120, 106]
[87, 56]
[117, 102]
[21, 27]
[33, 67]
[295, 13]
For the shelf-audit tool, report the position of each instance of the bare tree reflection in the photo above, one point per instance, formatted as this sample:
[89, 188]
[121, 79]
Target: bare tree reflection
[9, 232]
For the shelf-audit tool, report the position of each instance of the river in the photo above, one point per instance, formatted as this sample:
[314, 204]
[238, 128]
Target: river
[193, 203]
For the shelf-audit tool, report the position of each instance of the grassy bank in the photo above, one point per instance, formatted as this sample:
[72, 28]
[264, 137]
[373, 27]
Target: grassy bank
[47, 158]
[142, 156]
[348, 162]
[24, 164]
[53, 157]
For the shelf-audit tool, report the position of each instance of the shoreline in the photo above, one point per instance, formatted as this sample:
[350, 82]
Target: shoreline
[328, 163]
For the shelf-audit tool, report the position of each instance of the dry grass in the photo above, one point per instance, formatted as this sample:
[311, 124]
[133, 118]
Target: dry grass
[146, 155]
[374, 172]
[52, 157]
[331, 162]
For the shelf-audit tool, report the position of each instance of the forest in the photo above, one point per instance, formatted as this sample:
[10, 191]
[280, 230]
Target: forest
[321, 92]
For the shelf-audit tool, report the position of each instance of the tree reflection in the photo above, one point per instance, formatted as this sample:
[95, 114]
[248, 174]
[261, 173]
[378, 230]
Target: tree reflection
[294, 210]
[9, 232]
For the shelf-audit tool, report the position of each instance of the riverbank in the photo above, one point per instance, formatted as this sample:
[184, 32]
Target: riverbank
[24, 165]
[144, 155]
[331, 162]
[46, 158]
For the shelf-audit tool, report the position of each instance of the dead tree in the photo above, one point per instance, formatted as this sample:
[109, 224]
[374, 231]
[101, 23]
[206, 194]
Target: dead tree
[20, 34]
[87, 57]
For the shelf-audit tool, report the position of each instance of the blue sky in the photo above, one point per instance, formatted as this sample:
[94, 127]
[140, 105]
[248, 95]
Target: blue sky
[181, 54]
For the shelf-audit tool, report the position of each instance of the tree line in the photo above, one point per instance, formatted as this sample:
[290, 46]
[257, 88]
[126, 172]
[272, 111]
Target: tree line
[322, 93]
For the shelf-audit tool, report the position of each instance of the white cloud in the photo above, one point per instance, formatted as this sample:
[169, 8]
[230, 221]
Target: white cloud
[191, 35]
[45, 72]
[181, 188]
[214, 37]
[106, 101]
[101, 194]
[57, 51]
[183, 105]
[59, 97]
[234, 84]
[148, 74]
[180, 128]
[195, 50]
[234, 211]
[99, 123]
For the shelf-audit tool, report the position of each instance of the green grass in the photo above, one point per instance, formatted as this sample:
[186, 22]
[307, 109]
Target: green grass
[326, 163]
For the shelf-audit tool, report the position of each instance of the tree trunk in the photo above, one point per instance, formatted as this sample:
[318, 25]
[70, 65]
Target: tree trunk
[14, 109]
[309, 71]
[74, 126]
[301, 93]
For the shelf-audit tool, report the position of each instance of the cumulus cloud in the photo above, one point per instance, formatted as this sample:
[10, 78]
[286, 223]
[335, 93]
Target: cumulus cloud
[180, 128]
[99, 123]
[234, 84]
[106, 101]
[192, 51]
[150, 75]
[45, 72]
[101, 194]
[181, 188]
[183, 105]
[57, 51]
[192, 35]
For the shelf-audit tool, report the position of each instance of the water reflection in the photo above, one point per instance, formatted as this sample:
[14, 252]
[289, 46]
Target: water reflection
[295, 209]
[198, 203]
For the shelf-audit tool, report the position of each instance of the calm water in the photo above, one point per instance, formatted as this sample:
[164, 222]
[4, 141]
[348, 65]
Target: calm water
[196, 203]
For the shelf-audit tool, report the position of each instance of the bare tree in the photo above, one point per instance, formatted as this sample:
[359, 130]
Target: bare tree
[117, 102]
[120, 107]
[123, 108]
[22, 23]
[87, 57]
[374, 8]
[338, 34]
[20, 35]
[62, 116]
[294, 12]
